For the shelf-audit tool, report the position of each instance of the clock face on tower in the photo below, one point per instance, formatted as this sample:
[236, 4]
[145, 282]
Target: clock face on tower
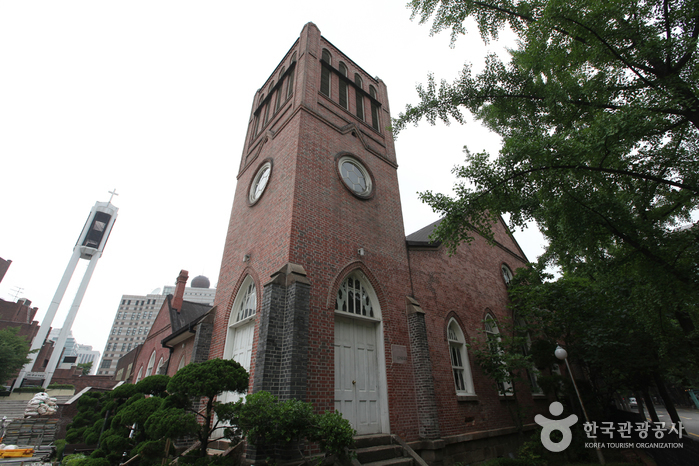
[355, 176]
[259, 183]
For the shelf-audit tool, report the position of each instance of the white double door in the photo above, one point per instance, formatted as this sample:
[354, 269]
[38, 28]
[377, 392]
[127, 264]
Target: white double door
[240, 350]
[357, 395]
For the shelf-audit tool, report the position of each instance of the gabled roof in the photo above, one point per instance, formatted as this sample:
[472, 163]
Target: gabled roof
[190, 312]
[421, 238]
[182, 323]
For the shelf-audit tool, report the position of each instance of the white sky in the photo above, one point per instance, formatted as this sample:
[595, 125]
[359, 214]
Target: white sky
[152, 98]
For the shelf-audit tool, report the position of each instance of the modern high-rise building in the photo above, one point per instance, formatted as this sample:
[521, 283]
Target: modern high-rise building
[136, 314]
[69, 349]
[86, 354]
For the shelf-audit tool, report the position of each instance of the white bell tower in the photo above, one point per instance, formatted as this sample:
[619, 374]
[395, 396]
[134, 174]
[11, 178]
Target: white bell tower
[89, 246]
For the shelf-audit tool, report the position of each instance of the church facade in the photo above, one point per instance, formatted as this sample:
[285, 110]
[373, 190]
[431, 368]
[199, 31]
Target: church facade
[322, 297]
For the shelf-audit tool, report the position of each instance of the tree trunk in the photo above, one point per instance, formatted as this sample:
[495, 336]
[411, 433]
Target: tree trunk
[649, 404]
[639, 404]
[669, 405]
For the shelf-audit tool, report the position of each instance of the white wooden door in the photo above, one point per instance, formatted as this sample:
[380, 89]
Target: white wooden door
[356, 374]
[241, 352]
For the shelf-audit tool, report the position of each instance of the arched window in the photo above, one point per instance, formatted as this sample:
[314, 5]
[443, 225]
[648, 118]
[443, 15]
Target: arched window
[374, 109]
[160, 364]
[342, 86]
[280, 93]
[257, 116]
[358, 97]
[151, 363]
[506, 274]
[140, 373]
[182, 363]
[460, 366]
[325, 73]
[241, 330]
[266, 109]
[246, 304]
[532, 372]
[355, 297]
[290, 83]
[493, 336]
[241, 324]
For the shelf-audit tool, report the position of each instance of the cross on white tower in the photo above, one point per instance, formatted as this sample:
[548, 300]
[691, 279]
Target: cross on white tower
[113, 193]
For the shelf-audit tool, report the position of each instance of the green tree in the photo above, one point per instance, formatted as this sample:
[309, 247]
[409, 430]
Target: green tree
[203, 382]
[503, 355]
[271, 424]
[13, 353]
[598, 110]
[86, 367]
[605, 330]
[599, 113]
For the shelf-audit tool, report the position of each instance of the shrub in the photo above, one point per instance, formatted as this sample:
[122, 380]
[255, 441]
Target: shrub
[261, 418]
[61, 386]
[60, 446]
[29, 390]
[74, 460]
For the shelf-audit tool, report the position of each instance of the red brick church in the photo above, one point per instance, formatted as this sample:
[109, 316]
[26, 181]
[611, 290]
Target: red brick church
[323, 297]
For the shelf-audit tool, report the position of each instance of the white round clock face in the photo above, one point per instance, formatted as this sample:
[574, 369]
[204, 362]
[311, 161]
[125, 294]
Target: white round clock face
[260, 182]
[355, 176]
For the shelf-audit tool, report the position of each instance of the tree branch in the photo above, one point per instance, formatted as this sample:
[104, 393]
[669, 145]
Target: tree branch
[640, 176]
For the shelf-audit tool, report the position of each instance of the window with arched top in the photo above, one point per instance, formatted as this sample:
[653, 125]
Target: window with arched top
[159, 366]
[532, 372]
[256, 124]
[342, 86]
[374, 109]
[507, 274]
[241, 330]
[325, 73]
[140, 373]
[492, 333]
[356, 297]
[182, 363]
[281, 97]
[241, 324]
[358, 97]
[290, 81]
[245, 304]
[151, 363]
[266, 110]
[461, 369]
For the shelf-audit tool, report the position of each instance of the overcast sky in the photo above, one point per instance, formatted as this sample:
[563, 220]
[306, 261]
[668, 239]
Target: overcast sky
[153, 98]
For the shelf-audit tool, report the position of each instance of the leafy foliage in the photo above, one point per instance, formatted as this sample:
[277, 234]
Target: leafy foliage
[266, 421]
[140, 418]
[598, 110]
[86, 367]
[13, 352]
[599, 115]
[205, 381]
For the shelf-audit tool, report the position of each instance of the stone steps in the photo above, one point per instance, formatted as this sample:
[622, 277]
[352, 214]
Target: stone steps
[380, 450]
[14, 409]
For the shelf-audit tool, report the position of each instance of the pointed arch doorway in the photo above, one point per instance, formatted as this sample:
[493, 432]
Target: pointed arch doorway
[360, 371]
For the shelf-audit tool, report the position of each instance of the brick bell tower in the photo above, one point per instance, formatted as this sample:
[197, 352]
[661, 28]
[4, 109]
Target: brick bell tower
[312, 289]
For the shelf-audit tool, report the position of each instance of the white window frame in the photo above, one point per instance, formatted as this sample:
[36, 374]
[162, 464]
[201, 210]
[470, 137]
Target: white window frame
[151, 363]
[507, 274]
[460, 365]
[491, 328]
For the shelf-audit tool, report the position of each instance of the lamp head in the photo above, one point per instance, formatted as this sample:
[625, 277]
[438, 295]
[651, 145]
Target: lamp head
[560, 353]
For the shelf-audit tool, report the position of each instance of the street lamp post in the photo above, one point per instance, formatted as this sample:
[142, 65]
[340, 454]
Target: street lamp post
[563, 356]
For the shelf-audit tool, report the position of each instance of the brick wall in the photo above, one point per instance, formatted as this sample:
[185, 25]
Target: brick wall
[466, 286]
